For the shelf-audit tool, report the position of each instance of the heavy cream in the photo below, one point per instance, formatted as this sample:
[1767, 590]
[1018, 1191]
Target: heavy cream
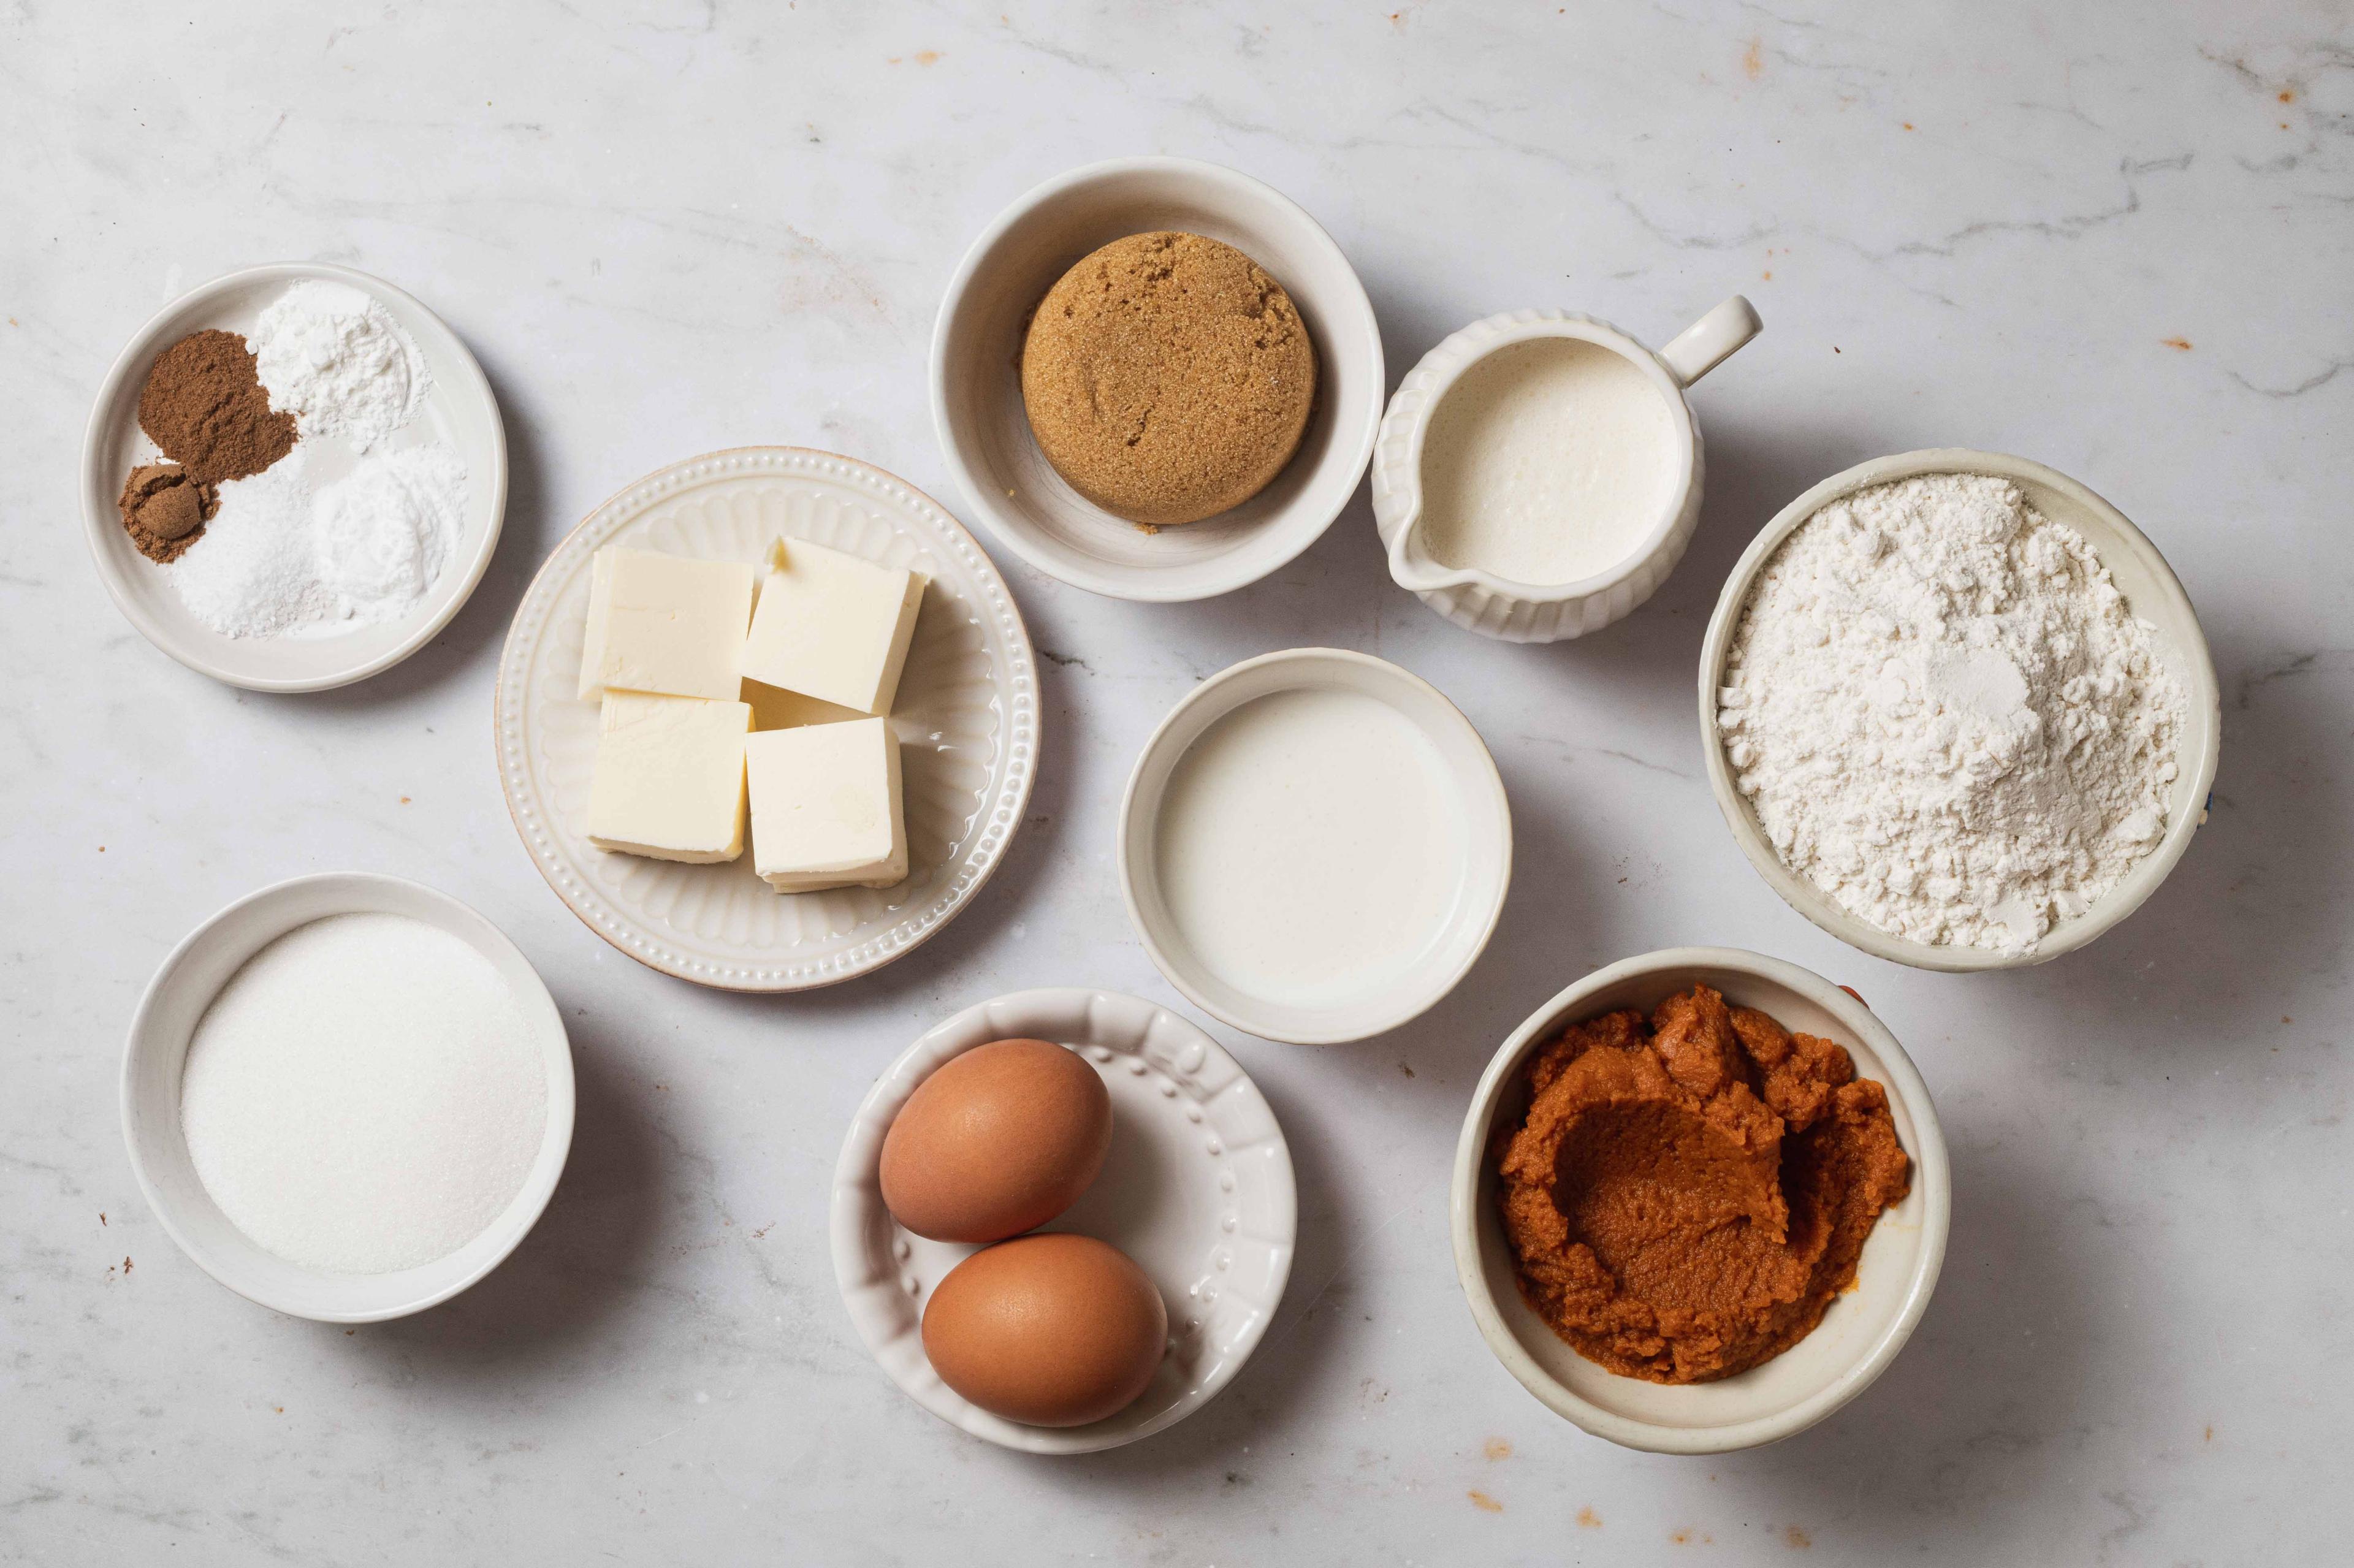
[1308, 845]
[1549, 462]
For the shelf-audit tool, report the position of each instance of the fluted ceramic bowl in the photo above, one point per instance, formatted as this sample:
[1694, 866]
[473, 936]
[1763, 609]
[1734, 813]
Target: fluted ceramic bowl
[1494, 606]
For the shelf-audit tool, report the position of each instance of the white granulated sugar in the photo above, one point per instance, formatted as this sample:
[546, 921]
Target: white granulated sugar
[1946, 718]
[364, 1096]
[281, 559]
[335, 359]
[254, 573]
[385, 531]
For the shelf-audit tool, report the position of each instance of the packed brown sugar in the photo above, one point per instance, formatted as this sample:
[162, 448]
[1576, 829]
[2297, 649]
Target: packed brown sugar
[1690, 1190]
[1168, 378]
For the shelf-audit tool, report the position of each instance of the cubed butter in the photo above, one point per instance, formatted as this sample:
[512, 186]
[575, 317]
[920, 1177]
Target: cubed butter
[773, 707]
[826, 807]
[667, 624]
[669, 780]
[592, 640]
[832, 626]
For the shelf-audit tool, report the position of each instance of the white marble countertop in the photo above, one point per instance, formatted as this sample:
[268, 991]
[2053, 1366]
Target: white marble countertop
[670, 227]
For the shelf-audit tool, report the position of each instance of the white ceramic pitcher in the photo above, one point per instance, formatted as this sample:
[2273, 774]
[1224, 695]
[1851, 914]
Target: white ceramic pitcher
[1530, 612]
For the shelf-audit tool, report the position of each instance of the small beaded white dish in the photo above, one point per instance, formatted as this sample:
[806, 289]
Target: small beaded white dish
[1197, 1189]
[1493, 606]
[966, 717]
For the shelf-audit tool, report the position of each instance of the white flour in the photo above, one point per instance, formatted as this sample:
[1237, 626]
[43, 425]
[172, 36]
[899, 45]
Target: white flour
[364, 1096]
[1946, 717]
[336, 360]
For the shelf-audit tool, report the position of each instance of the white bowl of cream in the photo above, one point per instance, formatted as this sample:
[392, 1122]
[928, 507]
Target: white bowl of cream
[1538, 475]
[1315, 846]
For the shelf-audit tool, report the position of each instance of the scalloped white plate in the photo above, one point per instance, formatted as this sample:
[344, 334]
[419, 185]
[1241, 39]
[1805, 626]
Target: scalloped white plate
[967, 718]
[1197, 1189]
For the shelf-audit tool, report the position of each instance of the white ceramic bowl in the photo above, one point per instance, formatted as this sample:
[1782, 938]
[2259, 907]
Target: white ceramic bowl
[966, 717]
[459, 412]
[1478, 802]
[1862, 1330]
[2152, 592]
[977, 384]
[1197, 1189]
[1497, 606]
[168, 1013]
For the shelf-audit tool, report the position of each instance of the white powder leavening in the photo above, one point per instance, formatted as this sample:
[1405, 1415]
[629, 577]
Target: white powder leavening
[280, 559]
[1945, 715]
[335, 359]
[364, 1096]
[384, 531]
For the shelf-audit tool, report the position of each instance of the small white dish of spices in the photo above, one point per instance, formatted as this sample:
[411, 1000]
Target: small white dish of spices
[347, 1097]
[293, 478]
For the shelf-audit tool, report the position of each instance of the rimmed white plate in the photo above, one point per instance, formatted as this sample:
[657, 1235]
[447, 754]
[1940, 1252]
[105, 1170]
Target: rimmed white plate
[967, 719]
[1197, 1189]
[459, 412]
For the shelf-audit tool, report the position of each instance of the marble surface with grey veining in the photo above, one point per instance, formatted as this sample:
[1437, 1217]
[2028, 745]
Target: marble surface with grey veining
[2114, 238]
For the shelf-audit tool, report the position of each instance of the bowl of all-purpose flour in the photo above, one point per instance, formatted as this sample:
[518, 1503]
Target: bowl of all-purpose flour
[347, 1097]
[349, 468]
[1958, 711]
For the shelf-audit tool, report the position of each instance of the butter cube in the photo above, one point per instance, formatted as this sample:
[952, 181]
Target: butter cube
[668, 624]
[773, 707]
[592, 642]
[826, 807]
[669, 780]
[832, 626]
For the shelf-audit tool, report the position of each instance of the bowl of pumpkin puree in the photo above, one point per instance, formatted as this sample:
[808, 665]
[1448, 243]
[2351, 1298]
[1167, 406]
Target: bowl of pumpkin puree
[1700, 1200]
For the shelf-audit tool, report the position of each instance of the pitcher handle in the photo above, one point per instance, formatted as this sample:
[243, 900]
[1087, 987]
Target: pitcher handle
[1711, 340]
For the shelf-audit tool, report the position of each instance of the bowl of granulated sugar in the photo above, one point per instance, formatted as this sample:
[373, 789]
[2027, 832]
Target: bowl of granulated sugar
[347, 1097]
[1958, 711]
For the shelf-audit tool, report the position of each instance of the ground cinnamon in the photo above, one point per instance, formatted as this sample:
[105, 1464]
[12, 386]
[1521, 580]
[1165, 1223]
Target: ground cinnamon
[1690, 1192]
[203, 404]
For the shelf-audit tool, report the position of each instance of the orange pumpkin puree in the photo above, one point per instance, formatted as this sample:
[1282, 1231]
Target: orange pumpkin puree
[1689, 1192]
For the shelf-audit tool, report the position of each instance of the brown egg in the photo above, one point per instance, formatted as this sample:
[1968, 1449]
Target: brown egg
[1054, 1330]
[997, 1141]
